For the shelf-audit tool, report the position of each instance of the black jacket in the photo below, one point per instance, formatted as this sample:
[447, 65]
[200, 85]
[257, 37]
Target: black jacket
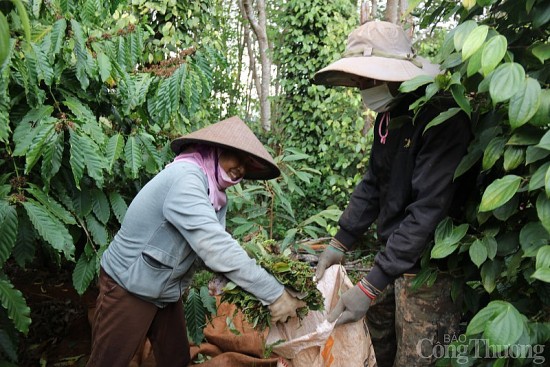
[408, 187]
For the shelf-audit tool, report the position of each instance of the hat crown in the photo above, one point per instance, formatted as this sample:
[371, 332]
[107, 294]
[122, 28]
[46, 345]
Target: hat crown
[233, 133]
[380, 36]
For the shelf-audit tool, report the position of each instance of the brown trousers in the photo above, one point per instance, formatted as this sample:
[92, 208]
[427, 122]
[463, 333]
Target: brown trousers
[123, 321]
[407, 327]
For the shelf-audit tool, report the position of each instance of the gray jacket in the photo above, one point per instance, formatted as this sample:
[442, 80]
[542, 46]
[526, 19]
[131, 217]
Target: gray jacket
[168, 225]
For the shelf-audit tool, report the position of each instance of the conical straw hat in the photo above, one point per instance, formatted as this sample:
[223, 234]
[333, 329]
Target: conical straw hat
[233, 133]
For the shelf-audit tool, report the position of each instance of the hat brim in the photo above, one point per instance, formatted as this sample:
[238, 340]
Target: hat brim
[349, 71]
[257, 169]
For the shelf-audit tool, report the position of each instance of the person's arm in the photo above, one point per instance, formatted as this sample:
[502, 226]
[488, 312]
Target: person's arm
[443, 147]
[361, 211]
[189, 209]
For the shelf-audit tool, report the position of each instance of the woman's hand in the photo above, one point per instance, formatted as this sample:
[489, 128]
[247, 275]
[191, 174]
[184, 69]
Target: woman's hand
[284, 307]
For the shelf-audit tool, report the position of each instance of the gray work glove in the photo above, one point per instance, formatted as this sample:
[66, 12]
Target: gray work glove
[352, 306]
[285, 307]
[330, 256]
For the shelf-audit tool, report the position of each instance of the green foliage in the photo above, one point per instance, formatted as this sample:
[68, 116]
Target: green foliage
[295, 275]
[89, 100]
[498, 74]
[265, 208]
[199, 307]
[325, 123]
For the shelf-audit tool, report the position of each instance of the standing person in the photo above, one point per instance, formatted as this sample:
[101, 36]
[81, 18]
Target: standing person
[408, 189]
[176, 220]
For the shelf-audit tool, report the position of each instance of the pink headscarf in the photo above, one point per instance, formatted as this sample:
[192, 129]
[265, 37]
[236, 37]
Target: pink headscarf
[207, 158]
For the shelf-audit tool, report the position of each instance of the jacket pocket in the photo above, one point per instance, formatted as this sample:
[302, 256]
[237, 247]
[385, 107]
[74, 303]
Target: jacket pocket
[151, 273]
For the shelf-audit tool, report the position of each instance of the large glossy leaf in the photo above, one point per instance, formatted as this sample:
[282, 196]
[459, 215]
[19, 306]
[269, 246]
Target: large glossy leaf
[118, 205]
[458, 92]
[25, 132]
[195, 316]
[543, 257]
[541, 118]
[462, 32]
[100, 206]
[81, 53]
[505, 328]
[4, 38]
[544, 142]
[14, 302]
[97, 230]
[91, 156]
[543, 210]
[493, 53]
[114, 149]
[542, 52]
[489, 274]
[533, 236]
[447, 238]
[506, 81]
[499, 192]
[514, 156]
[8, 229]
[493, 152]
[474, 41]
[525, 103]
[77, 158]
[478, 253]
[542, 274]
[474, 63]
[84, 272]
[57, 38]
[50, 228]
[52, 156]
[442, 117]
[415, 83]
[132, 155]
[45, 136]
[51, 204]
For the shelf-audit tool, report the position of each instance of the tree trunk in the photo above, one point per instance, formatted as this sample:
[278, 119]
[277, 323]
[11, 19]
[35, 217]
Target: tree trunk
[392, 14]
[259, 27]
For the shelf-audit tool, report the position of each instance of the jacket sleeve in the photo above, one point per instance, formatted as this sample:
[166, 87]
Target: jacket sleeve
[189, 209]
[443, 147]
[362, 210]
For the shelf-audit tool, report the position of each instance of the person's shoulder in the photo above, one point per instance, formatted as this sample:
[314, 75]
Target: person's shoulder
[181, 169]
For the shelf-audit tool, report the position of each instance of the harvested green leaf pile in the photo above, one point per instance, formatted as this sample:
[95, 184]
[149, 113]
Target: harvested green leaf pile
[293, 274]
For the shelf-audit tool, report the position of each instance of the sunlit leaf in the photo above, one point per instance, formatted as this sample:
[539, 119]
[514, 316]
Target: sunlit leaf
[493, 53]
[474, 41]
[447, 238]
[499, 192]
[478, 253]
[462, 32]
[525, 103]
[513, 157]
[506, 81]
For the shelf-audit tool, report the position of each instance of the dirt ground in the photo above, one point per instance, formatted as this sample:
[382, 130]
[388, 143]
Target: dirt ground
[59, 334]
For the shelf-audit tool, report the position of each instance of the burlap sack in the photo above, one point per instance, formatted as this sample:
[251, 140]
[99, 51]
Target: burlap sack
[314, 342]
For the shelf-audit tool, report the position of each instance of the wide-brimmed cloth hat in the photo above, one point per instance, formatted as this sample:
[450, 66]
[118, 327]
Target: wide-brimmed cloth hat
[233, 133]
[376, 50]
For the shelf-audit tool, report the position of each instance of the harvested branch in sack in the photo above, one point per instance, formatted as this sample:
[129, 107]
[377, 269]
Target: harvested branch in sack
[293, 274]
